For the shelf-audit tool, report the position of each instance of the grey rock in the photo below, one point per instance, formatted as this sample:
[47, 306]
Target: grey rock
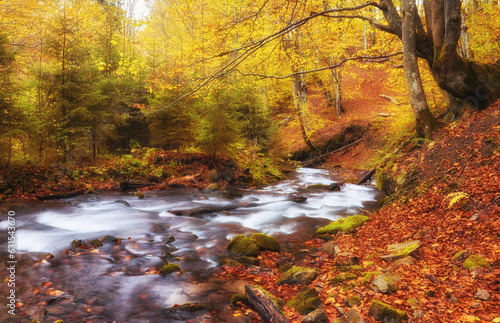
[482, 295]
[316, 316]
[387, 283]
[406, 261]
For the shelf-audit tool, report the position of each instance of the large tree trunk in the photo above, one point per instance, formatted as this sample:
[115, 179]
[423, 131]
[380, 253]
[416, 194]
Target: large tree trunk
[468, 81]
[425, 123]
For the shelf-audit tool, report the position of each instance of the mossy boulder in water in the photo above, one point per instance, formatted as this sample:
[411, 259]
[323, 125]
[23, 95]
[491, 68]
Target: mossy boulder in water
[266, 242]
[306, 301]
[241, 245]
[298, 275]
[380, 311]
[170, 268]
[475, 262]
[343, 225]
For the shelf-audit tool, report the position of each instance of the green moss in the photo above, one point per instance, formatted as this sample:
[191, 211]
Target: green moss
[279, 303]
[353, 301]
[343, 225]
[266, 242]
[298, 275]
[476, 262]
[384, 312]
[241, 245]
[458, 254]
[306, 301]
[240, 298]
[342, 277]
[170, 268]
[367, 276]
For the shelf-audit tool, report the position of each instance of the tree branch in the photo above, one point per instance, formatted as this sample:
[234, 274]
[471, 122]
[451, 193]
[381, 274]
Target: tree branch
[379, 59]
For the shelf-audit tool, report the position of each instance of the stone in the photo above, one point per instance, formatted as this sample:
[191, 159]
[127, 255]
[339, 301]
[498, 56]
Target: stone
[342, 278]
[343, 225]
[482, 295]
[474, 262]
[352, 317]
[139, 194]
[381, 311]
[169, 268]
[353, 301]
[419, 235]
[241, 245]
[387, 283]
[413, 302]
[298, 276]
[316, 316]
[401, 250]
[306, 301]
[418, 314]
[406, 261]
[330, 248]
[266, 242]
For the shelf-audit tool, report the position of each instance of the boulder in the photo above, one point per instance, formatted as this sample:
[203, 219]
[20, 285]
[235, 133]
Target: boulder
[266, 242]
[241, 245]
[353, 301]
[330, 248]
[298, 276]
[406, 261]
[386, 313]
[387, 282]
[474, 262]
[316, 316]
[401, 250]
[343, 225]
[306, 301]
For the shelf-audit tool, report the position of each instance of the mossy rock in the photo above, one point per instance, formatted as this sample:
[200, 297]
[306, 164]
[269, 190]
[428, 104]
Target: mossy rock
[381, 311]
[188, 307]
[139, 194]
[170, 268]
[298, 276]
[343, 225]
[353, 301]
[346, 269]
[401, 250]
[241, 245]
[476, 262]
[342, 278]
[240, 298]
[368, 275]
[306, 301]
[387, 282]
[266, 242]
[213, 187]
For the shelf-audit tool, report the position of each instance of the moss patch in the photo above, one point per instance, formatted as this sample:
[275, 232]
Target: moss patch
[298, 275]
[476, 262]
[266, 242]
[241, 245]
[240, 298]
[401, 250]
[342, 277]
[170, 268]
[353, 301]
[278, 302]
[306, 301]
[386, 313]
[343, 225]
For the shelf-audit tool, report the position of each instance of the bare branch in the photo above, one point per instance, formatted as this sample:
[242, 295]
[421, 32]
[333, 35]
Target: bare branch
[373, 59]
[372, 22]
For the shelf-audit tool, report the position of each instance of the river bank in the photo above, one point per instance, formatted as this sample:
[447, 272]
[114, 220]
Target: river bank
[445, 199]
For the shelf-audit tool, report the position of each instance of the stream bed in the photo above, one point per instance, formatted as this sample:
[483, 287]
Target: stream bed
[115, 282]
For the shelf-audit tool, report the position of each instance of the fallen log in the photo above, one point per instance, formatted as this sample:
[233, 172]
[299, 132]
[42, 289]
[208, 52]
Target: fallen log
[390, 98]
[61, 195]
[264, 306]
[367, 177]
[312, 160]
[133, 185]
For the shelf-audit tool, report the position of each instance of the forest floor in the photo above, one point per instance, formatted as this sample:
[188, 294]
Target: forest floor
[448, 198]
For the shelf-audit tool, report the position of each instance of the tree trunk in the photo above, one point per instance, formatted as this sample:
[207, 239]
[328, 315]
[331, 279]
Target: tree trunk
[300, 101]
[425, 122]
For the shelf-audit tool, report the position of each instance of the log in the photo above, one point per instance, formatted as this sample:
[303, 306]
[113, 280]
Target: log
[61, 195]
[133, 185]
[264, 306]
[367, 177]
[390, 98]
[312, 160]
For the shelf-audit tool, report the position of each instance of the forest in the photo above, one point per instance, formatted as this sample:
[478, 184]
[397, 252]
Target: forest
[192, 114]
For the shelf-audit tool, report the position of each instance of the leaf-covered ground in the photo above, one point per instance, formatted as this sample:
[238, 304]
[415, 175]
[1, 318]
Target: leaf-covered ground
[448, 197]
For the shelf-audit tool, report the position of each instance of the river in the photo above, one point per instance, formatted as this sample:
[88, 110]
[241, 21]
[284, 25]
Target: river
[115, 283]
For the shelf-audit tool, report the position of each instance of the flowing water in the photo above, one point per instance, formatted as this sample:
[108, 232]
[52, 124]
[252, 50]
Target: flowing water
[114, 282]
